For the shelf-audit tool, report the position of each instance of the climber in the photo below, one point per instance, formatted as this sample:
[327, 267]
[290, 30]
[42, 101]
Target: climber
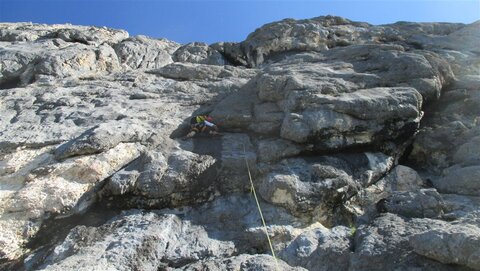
[202, 124]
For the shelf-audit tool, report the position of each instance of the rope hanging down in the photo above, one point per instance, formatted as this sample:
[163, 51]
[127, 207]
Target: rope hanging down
[252, 187]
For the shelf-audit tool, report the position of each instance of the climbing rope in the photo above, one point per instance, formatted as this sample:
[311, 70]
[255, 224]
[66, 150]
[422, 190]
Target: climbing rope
[252, 188]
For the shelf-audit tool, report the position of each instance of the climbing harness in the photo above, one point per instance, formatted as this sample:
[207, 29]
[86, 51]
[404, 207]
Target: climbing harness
[252, 188]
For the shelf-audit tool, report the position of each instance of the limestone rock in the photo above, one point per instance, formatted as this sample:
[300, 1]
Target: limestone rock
[198, 52]
[321, 125]
[288, 35]
[460, 180]
[237, 151]
[174, 239]
[403, 178]
[467, 153]
[104, 137]
[320, 249]
[180, 180]
[186, 71]
[240, 262]
[461, 207]
[272, 150]
[25, 62]
[78, 60]
[142, 241]
[400, 180]
[43, 187]
[449, 136]
[453, 245]
[321, 98]
[385, 244]
[347, 116]
[315, 185]
[422, 203]
[141, 52]
[67, 32]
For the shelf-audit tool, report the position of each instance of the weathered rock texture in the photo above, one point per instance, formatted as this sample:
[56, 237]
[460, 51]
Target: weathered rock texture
[361, 141]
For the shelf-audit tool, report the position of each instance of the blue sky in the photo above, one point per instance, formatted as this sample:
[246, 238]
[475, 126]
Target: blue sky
[211, 21]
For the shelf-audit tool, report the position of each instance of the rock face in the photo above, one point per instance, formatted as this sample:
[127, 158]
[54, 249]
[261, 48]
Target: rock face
[361, 142]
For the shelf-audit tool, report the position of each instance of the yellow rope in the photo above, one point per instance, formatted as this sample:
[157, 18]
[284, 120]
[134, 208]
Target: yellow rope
[260, 209]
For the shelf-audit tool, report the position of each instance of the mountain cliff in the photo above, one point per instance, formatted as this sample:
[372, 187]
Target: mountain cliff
[362, 142]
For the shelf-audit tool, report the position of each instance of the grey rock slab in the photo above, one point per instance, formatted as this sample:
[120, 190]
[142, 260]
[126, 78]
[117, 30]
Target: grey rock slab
[384, 245]
[451, 245]
[235, 111]
[14, 62]
[422, 203]
[358, 112]
[103, 137]
[77, 60]
[237, 156]
[275, 149]
[165, 178]
[459, 207]
[214, 234]
[190, 71]
[468, 34]
[459, 180]
[143, 241]
[467, 154]
[204, 167]
[124, 180]
[235, 217]
[469, 82]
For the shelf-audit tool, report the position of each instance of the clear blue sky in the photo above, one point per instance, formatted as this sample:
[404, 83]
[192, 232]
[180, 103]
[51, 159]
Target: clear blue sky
[211, 21]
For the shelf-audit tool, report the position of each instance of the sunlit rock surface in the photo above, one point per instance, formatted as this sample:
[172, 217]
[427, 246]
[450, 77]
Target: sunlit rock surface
[361, 142]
